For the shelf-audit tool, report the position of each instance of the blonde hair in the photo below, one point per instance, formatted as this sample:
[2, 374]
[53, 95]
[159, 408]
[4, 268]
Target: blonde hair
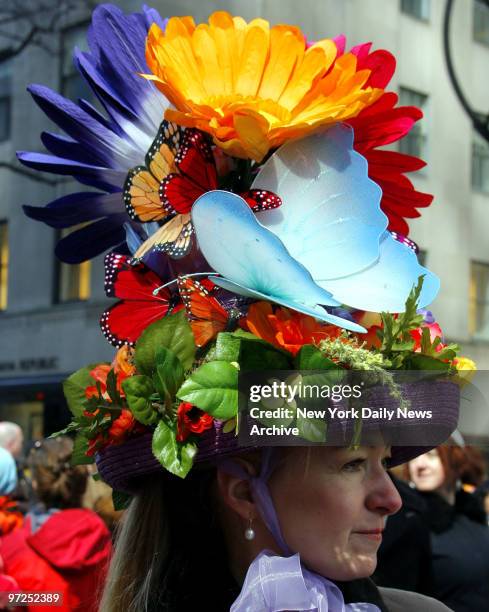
[140, 553]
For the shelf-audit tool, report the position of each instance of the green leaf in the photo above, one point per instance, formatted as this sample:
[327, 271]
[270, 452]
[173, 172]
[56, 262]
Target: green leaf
[417, 361]
[252, 353]
[80, 447]
[74, 388]
[111, 384]
[175, 457]
[312, 429]
[213, 388]
[73, 426]
[138, 390]
[169, 375]
[172, 332]
[120, 500]
[310, 357]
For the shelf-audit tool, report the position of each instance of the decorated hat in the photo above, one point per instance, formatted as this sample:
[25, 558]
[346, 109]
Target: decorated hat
[252, 222]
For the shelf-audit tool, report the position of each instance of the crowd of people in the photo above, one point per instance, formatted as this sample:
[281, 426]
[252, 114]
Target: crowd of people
[51, 539]
[57, 522]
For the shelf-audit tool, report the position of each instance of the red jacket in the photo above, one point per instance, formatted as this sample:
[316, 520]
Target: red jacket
[69, 553]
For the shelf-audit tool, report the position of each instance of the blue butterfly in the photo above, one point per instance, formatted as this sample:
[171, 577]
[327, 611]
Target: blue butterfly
[326, 245]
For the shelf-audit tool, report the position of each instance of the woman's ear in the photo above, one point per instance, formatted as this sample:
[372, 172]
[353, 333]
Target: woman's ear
[235, 491]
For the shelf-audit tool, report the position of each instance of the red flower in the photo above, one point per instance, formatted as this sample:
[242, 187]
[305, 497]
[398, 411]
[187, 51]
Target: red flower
[191, 419]
[435, 332]
[381, 124]
[122, 426]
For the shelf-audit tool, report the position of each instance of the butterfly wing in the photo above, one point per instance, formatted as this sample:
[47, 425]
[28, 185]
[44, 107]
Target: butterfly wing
[252, 260]
[330, 219]
[196, 173]
[173, 238]
[206, 315]
[386, 285]
[261, 199]
[123, 322]
[331, 222]
[142, 187]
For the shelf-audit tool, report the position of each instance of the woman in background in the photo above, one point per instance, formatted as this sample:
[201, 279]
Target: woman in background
[62, 546]
[457, 522]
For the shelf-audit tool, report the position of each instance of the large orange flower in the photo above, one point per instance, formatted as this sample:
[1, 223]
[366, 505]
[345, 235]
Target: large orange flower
[285, 328]
[251, 86]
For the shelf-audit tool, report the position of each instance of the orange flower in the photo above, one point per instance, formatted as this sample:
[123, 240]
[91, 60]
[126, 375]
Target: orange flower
[122, 426]
[285, 328]
[123, 363]
[251, 86]
[99, 373]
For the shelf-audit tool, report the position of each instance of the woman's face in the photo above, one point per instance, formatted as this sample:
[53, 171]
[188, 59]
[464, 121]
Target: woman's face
[332, 504]
[426, 471]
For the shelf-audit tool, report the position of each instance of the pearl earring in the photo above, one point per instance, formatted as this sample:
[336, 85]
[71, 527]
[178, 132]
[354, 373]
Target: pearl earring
[249, 534]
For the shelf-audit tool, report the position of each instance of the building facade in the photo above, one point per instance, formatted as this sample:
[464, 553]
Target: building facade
[49, 312]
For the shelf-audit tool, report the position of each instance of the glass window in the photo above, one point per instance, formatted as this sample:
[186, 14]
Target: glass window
[73, 279]
[5, 99]
[480, 163]
[416, 141]
[479, 300]
[480, 22]
[73, 85]
[416, 8]
[4, 251]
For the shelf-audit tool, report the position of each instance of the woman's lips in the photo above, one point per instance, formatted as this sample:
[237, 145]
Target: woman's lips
[371, 534]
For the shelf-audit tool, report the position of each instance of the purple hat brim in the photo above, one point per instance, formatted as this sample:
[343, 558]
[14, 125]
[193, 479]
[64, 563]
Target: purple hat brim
[123, 466]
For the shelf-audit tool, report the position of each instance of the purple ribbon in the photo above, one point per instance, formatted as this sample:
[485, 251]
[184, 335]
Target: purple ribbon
[275, 584]
[260, 492]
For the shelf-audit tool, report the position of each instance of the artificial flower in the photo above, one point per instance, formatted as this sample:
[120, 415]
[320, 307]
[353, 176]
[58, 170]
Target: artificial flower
[435, 332]
[287, 329]
[466, 369]
[99, 374]
[123, 362]
[121, 426]
[191, 419]
[381, 124]
[252, 86]
[99, 150]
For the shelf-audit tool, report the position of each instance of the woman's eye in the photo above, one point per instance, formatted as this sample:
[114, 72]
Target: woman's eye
[353, 466]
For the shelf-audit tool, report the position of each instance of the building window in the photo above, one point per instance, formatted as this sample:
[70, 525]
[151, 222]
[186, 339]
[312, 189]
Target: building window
[480, 163]
[416, 8]
[480, 22]
[4, 248]
[5, 99]
[73, 280]
[416, 140]
[73, 85]
[479, 300]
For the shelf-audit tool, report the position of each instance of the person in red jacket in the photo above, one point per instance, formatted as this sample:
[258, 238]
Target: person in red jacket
[61, 547]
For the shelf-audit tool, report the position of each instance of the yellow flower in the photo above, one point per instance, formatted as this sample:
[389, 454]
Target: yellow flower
[466, 369]
[251, 86]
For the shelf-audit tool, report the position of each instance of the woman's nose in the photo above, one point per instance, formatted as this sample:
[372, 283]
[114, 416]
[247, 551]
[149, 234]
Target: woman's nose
[383, 496]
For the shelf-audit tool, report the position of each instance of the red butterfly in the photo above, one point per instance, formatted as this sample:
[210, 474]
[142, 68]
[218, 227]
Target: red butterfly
[124, 322]
[180, 167]
[207, 316]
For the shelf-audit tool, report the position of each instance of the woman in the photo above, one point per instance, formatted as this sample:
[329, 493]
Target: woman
[207, 531]
[459, 533]
[231, 121]
[61, 547]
